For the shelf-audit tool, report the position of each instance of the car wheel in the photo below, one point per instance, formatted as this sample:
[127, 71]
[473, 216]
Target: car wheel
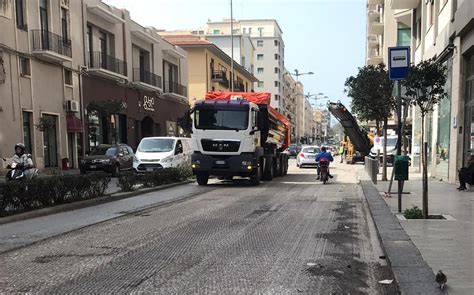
[202, 178]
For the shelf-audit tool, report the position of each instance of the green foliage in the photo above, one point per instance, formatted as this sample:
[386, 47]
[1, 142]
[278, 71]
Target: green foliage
[106, 108]
[413, 213]
[371, 93]
[186, 122]
[50, 191]
[425, 84]
[127, 181]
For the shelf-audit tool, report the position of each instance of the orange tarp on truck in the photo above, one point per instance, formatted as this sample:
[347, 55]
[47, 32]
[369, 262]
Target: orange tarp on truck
[255, 97]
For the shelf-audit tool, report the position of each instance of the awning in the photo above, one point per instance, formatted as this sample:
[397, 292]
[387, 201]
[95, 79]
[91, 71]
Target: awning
[73, 123]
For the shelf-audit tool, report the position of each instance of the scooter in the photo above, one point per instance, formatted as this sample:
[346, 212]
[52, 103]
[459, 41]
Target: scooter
[324, 170]
[17, 173]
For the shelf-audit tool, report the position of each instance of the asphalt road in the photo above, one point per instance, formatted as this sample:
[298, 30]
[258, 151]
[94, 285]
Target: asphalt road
[291, 236]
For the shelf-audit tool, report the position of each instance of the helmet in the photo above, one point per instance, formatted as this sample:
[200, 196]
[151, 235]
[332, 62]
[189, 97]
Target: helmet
[21, 146]
[324, 149]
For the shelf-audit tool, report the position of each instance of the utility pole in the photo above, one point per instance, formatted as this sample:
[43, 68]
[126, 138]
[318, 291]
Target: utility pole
[232, 48]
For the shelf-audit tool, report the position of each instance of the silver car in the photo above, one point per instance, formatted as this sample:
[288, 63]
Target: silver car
[307, 156]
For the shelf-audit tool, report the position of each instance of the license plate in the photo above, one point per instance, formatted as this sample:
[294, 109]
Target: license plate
[93, 166]
[149, 169]
[310, 156]
[220, 162]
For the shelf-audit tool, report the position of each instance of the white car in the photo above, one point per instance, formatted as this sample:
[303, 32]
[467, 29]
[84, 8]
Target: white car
[307, 156]
[154, 153]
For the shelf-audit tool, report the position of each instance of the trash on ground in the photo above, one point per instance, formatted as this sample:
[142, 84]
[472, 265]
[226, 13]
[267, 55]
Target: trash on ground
[386, 282]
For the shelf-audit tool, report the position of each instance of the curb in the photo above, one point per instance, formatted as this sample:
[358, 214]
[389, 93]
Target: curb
[87, 203]
[412, 273]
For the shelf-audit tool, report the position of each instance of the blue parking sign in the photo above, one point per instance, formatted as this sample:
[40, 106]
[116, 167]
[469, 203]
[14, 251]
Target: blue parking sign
[398, 62]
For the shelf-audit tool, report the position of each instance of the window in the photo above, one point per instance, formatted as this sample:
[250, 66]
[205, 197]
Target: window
[27, 131]
[216, 32]
[250, 30]
[24, 66]
[259, 43]
[259, 70]
[89, 43]
[432, 14]
[260, 84]
[236, 31]
[277, 83]
[276, 42]
[20, 14]
[64, 24]
[403, 35]
[418, 32]
[259, 56]
[68, 77]
[245, 30]
[277, 56]
[277, 97]
[277, 70]
[260, 31]
[201, 32]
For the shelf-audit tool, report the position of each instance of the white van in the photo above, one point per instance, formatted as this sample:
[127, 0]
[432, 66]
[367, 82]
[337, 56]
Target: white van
[155, 153]
[391, 148]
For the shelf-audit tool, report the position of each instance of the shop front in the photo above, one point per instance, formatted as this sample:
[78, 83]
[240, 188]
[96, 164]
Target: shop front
[118, 113]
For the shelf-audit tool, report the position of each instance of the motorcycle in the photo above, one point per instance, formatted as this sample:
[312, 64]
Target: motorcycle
[324, 170]
[17, 172]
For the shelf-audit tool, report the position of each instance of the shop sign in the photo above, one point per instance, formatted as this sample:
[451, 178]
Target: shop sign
[171, 127]
[148, 103]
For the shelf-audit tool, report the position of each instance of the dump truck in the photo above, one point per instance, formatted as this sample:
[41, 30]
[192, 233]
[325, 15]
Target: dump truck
[356, 140]
[239, 134]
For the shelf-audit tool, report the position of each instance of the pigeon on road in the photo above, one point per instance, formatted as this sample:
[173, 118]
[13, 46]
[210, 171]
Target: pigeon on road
[441, 279]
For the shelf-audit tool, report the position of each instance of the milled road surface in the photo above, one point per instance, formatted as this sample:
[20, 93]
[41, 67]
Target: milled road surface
[290, 236]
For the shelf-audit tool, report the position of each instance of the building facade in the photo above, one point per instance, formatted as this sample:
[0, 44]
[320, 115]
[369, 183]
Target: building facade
[133, 66]
[41, 56]
[210, 67]
[269, 54]
[439, 29]
[57, 57]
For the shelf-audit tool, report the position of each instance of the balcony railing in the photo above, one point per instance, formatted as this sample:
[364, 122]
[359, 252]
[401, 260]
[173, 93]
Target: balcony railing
[219, 76]
[101, 60]
[45, 40]
[176, 88]
[141, 75]
[239, 86]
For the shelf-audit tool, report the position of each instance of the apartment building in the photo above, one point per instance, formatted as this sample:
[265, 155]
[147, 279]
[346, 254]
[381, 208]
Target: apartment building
[290, 101]
[269, 54]
[57, 57]
[210, 67]
[300, 111]
[41, 55]
[439, 29]
[309, 122]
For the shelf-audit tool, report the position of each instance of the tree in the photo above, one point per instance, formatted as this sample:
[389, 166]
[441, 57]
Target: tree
[425, 85]
[106, 109]
[372, 99]
[186, 123]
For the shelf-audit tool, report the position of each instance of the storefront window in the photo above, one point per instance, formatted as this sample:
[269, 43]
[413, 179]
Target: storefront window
[444, 127]
[469, 111]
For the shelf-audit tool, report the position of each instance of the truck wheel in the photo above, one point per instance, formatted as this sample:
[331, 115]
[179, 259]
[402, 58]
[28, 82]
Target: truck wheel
[285, 165]
[202, 178]
[268, 169]
[278, 167]
[255, 179]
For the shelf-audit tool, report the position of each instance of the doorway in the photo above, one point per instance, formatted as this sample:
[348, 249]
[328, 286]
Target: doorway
[50, 142]
[147, 127]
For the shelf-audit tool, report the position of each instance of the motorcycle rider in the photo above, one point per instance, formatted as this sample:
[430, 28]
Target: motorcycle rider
[22, 160]
[324, 154]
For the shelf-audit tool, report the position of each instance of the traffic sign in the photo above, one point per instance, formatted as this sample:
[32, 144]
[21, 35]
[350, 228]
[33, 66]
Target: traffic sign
[398, 62]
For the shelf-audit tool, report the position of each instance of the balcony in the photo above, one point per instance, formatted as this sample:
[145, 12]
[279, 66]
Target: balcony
[106, 66]
[404, 4]
[51, 47]
[376, 26]
[370, 2]
[374, 12]
[221, 78]
[239, 86]
[146, 80]
[373, 41]
[175, 90]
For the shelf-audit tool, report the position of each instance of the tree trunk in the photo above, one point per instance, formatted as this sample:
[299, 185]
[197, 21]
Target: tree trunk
[384, 167]
[424, 164]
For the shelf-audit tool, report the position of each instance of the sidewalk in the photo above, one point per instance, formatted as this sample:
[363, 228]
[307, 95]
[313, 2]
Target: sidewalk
[444, 244]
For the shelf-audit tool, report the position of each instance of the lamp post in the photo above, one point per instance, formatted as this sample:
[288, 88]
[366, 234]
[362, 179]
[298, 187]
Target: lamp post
[297, 74]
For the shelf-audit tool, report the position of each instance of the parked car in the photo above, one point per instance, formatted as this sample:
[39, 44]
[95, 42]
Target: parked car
[108, 158]
[307, 156]
[155, 153]
[294, 149]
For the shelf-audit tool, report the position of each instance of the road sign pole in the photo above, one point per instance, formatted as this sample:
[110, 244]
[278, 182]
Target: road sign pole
[399, 145]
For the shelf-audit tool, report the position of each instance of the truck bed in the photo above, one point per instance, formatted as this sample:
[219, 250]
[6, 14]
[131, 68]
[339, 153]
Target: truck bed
[357, 135]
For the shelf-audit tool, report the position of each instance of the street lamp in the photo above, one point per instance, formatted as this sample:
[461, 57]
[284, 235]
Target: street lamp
[316, 96]
[297, 74]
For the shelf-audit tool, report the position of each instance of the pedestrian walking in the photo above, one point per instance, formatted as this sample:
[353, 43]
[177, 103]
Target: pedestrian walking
[341, 152]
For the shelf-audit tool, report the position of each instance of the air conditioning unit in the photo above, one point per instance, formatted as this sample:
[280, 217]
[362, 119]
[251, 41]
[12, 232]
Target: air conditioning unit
[72, 106]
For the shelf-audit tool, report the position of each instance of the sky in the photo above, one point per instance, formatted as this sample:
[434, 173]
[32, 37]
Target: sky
[326, 37]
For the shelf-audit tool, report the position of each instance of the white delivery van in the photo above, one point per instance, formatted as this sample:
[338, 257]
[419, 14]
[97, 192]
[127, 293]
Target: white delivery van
[392, 141]
[155, 153]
